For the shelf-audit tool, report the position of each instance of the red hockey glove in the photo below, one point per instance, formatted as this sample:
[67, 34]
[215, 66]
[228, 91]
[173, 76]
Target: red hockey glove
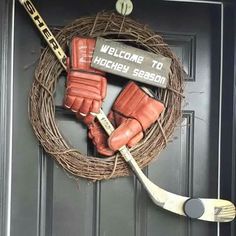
[132, 113]
[86, 87]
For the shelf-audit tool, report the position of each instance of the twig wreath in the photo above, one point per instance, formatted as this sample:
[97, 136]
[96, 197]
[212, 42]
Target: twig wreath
[42, 106]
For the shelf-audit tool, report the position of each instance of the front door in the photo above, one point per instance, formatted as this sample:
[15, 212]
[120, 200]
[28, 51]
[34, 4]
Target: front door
[47, 201]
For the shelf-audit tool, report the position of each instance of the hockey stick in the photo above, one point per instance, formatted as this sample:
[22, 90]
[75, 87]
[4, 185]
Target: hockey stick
[215, 210]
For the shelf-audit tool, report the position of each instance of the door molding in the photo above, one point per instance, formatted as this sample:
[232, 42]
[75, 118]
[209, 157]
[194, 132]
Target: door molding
[202, 1]
[228, 112]
[6, 106]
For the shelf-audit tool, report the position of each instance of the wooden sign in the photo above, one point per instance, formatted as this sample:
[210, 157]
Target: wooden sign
[130, 62]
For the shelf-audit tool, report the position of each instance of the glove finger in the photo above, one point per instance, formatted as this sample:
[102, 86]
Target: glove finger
[135, 139]
[68, 101]
[103, 88]
[77, 104]
[85, 107]
[96, 105]
[124, 133]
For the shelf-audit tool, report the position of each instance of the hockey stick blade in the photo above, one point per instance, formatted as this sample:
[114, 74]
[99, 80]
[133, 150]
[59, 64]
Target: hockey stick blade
[215, 210]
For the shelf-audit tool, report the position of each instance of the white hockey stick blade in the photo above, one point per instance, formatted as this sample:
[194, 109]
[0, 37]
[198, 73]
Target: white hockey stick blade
[215, 210]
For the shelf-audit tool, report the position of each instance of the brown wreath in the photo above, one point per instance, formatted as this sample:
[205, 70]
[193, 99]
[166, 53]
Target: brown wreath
[42, 107]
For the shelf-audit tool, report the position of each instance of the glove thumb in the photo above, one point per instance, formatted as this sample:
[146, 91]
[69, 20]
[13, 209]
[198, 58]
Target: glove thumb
[124, 134]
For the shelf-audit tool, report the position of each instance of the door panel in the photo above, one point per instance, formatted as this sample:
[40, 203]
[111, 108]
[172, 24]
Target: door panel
[55, 203]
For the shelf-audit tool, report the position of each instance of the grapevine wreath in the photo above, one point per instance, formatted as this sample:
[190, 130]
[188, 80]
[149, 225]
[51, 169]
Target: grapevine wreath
[42, 104]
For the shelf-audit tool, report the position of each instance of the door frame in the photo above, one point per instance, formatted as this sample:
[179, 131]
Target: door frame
[7, 13]
[227, 109]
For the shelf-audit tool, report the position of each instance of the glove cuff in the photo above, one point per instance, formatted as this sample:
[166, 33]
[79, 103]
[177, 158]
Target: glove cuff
[81, 51]
[134, 103]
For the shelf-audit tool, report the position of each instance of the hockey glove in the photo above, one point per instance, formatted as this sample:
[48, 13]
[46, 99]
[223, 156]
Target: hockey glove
[86, 87]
